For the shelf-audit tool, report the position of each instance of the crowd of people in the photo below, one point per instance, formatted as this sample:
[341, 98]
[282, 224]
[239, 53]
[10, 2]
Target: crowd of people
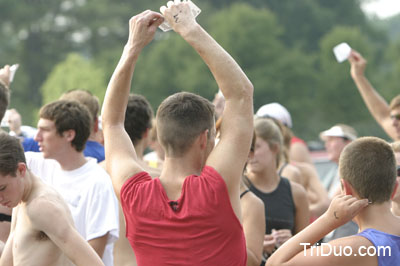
[224, 185]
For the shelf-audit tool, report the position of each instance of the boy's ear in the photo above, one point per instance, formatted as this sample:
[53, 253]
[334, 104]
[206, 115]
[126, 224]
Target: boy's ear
[203, 139]
[347, 188]
[69, 134]
[21, 168]
[396, 187]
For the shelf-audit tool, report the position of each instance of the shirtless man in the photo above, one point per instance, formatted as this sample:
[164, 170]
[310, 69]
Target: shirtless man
[42, 229]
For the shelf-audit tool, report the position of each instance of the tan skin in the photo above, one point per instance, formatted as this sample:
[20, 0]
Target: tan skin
[263, 174]
[122, 158]
[343, 208]
[306, 175]
[377, 105]
[60, 148]
[4, 226]
[253, 226]
[123, 253]
[42, 230]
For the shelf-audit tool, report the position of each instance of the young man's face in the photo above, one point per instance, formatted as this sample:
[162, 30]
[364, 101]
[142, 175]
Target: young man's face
[11, 190]
[334, 147]
[395, 116]
[50, 142]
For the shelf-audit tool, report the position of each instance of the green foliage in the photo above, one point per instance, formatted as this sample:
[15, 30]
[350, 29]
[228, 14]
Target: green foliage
[285, 47]
[74, 73]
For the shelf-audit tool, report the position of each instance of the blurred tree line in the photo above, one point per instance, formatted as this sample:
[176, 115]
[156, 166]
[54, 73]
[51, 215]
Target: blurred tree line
[284, 46]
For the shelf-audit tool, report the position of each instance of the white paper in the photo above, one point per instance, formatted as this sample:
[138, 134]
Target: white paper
[342, 52]
[195, 11]
[13, 69]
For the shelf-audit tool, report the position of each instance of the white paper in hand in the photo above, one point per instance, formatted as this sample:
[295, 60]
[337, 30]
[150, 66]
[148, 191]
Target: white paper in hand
[13, 69]
[342, 52]
[195, 11]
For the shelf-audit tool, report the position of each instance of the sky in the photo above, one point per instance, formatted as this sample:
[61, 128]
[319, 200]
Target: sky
[382, 8]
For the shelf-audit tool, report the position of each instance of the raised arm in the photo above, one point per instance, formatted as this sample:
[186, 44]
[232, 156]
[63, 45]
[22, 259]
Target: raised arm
[54, 220]
[229, 156]
[295, 251]
[120, 154]
[377, 106]
[5, 76]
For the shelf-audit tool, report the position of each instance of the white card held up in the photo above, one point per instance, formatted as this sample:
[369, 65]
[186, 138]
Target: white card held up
[13, 69]
[342, 52]
[195, 11]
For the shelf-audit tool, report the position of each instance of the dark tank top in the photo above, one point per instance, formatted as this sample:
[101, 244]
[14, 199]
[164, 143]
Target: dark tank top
[279, 206]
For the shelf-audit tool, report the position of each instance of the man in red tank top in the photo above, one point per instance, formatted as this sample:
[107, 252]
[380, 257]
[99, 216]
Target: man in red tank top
[191, 213]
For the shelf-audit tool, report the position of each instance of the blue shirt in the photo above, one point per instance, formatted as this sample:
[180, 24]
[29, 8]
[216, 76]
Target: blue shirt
[382, 240]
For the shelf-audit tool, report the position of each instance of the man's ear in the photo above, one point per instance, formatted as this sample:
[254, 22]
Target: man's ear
[203, 139]
[396, 187]
[146, 133]
[69, 134]
[21, 169]
[96, 125]
[347, 187]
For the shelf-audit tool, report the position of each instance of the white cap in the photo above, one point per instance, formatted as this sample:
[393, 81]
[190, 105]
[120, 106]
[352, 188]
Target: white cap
[339, 130]
[277, 111]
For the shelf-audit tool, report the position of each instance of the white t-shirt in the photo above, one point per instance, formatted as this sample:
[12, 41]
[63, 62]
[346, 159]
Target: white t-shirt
[89, 194]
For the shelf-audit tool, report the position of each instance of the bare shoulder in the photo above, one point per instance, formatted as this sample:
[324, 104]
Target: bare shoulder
[251, 204]
[47, 208]
[293, 173]
[298, 191]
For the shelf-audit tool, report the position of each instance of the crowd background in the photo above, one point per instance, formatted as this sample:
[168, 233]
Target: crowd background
[285, 48]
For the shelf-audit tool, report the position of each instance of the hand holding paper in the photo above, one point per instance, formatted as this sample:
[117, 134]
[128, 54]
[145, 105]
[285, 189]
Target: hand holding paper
[165, 26]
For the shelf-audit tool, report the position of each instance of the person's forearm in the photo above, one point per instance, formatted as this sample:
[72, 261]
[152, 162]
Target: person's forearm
[116, 98]
[298, 242]
[377, 106]
[230, 78]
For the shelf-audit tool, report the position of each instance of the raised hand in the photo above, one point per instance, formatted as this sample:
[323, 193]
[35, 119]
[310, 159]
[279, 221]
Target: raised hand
[358, 64]
[343, 208]
[142, 28]
[179, 16]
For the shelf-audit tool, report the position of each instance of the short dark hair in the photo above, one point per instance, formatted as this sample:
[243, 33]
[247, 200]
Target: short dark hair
[181, 118]
[138, 117]
[4, 99]
[11, 153]
[369, 165]
[69, 115]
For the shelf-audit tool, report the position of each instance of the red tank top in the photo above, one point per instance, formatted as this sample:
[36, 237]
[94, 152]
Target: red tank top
[200, 228]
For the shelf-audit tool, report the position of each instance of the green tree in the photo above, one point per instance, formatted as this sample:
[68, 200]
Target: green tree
[74, 73]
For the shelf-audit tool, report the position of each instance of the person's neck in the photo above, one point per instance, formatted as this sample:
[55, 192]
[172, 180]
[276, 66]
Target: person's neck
[266, 180]
[71, 161]
[29, 183]
[396, 208]
[139, 148]
[368, 217]
[178, 168]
